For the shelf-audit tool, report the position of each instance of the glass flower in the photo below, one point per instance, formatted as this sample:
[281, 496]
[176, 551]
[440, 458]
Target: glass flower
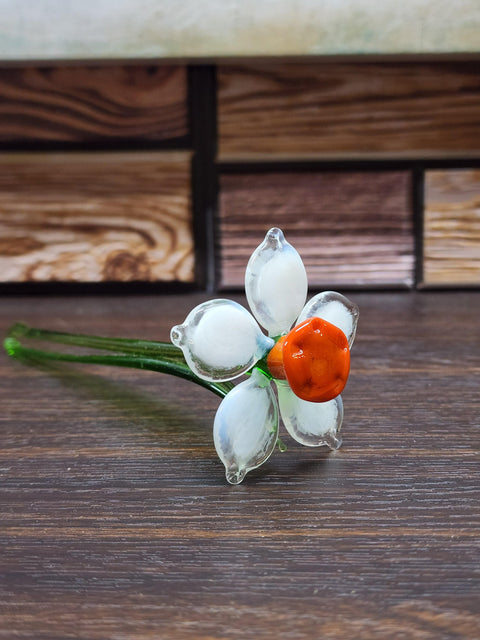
[307, 365]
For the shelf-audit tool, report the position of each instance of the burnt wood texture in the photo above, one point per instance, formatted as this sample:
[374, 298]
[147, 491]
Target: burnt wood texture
[95, 217]
[451, 234]
[93, 103]
[350, 228]
[338, 110]
[117, 522]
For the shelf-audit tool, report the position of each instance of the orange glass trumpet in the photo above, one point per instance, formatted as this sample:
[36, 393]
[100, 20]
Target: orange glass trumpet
[315, 359]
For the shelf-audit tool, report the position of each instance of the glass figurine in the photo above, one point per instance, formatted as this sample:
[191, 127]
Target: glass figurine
[308, 364]
[293, 373]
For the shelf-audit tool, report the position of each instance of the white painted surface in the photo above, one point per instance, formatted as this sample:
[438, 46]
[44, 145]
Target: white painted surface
[146, 29]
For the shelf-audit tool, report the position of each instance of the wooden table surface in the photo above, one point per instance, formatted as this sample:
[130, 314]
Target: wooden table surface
[117, 523]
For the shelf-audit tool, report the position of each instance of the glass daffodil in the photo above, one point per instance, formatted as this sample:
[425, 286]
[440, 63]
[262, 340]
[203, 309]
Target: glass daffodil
[292, 375]
[307, 365]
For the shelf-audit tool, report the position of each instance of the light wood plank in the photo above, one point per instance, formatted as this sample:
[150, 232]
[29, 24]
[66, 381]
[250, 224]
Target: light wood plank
[364, 110]
[88, 217]
[452, 227]
[92, 103]
[349, 228]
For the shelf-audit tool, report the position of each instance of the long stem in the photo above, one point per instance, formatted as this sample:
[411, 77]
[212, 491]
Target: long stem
[137, 354]
[148, 348]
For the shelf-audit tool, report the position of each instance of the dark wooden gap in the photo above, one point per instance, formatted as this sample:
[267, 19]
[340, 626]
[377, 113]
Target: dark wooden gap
[134, 144]
[345, 288]
[202, 104]
[387, 164]
[94, 288]
[418, 173]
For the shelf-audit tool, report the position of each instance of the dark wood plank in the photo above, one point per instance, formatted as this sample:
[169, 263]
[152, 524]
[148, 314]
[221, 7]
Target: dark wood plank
[116, 521]
[279, 110]
[350, 228]
[92, 103]
[452, 227]
[93, 217]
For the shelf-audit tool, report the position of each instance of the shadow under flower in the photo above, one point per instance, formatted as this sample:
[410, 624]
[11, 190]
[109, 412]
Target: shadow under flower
[181, 423]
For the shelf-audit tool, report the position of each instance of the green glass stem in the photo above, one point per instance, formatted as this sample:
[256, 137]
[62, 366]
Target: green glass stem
[137, 354]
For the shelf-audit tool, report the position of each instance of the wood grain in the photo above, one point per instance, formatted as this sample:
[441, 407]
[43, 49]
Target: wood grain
[365, 110]
[117, 523]
[452, 227]
[93, 103]
[92, 217]
[349, 228]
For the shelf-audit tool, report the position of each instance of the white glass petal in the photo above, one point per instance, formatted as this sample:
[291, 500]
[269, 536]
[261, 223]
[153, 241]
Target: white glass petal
[334, 308]
[246, 426]
[275, 283]
[310, 423]
[220, 340]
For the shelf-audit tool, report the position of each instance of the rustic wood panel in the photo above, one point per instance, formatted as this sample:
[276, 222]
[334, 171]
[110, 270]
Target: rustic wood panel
[349, 110]
[95, 217]
[92, 103]
[350, 228]
[452, 227]
[117, 522]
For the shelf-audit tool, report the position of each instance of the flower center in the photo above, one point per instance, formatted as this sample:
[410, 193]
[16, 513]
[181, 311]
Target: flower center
[315, 359]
